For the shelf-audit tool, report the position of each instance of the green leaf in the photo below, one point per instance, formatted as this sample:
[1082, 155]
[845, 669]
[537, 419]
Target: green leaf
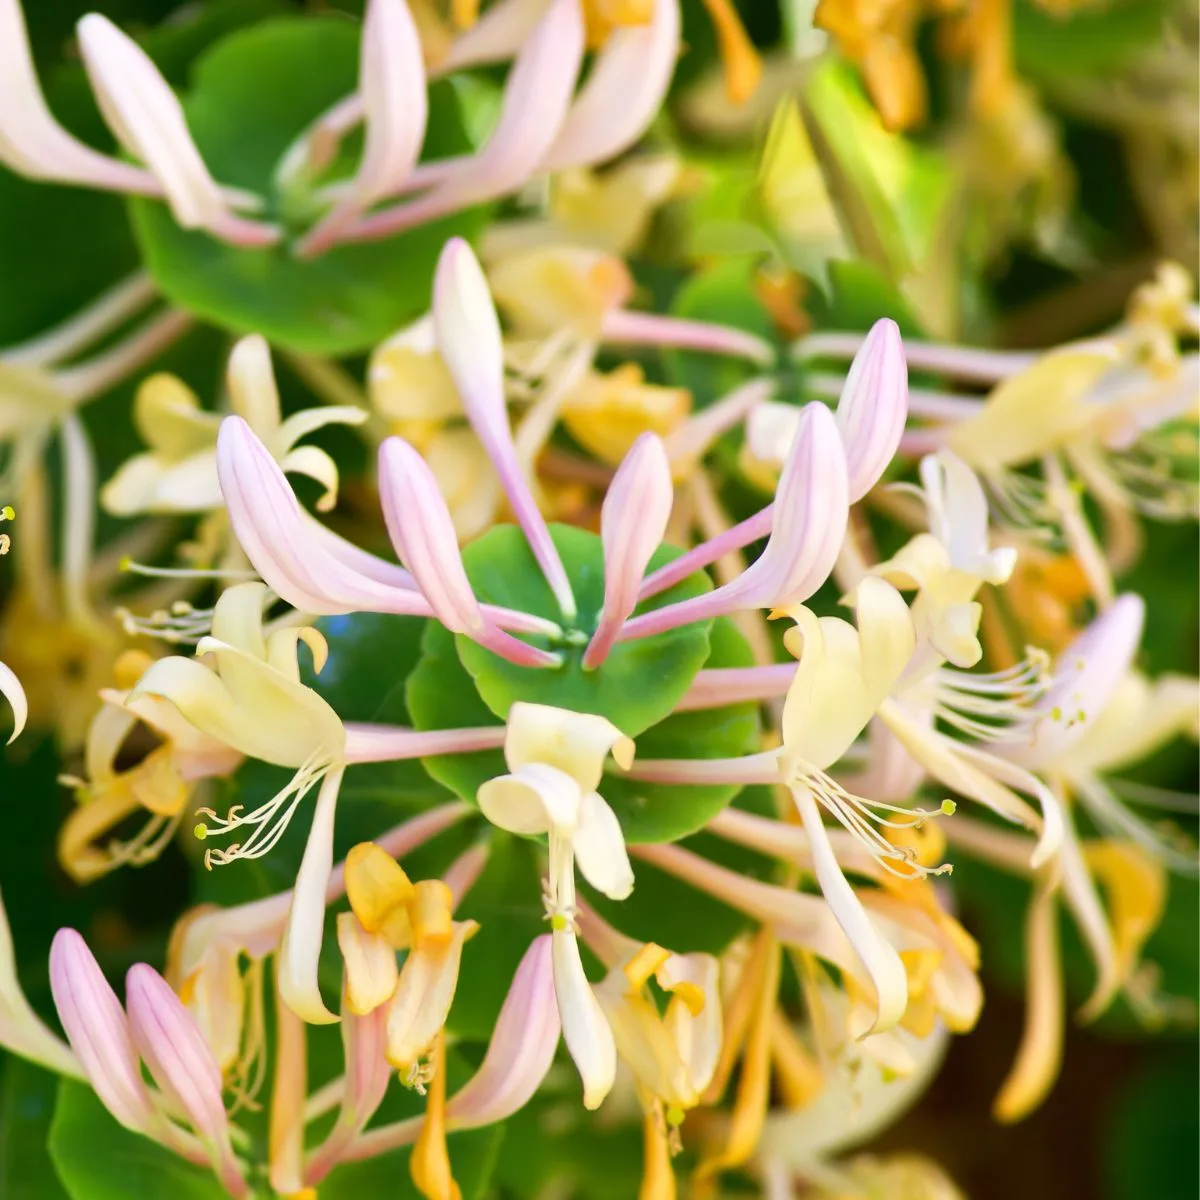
[660, 812]
[442, 694]
[1098, 42]
[638, 684]
[253, 93]
[99, 1159]
[722, 294]
[26, 1108]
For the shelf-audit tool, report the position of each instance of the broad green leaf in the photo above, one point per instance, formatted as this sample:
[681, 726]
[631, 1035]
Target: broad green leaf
[98, 1159]
[721, 293]
[637, 685]
[252, 94]
[660, 812]
[27, 1098]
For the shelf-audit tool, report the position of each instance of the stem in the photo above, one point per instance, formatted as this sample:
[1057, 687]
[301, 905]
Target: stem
[750, 530]
[656, 329]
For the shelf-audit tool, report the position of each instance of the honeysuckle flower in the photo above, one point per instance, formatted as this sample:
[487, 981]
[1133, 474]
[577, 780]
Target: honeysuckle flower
[557, 758]
[160, 784]
[144, 116]
[808, 523]
[14, 693]
[867, 427]
[546, 67]
[518, 1057]
[179, 471]
[949, 564]
[870, 414]
[389, 913]
[672, 1054]
[156, 1030]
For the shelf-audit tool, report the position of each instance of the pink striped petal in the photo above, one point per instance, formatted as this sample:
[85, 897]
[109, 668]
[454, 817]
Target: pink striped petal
[632, 524]
[98, 1032]
[468, 335]
[521, 1049]
[391, 83]
[808, 527]
[537, 96]
[873, 407]
[279, 538]
[147, 119]
[422, 531]
[172, 1046]
[623, 93]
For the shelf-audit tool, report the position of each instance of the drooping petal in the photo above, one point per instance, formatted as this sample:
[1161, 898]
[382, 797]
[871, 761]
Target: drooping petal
[147, 119]
[585, 1029]
[1040, 1053]
[576, 743]
[623, 93]
[873, 407]
[521, 1048]
[370, 964]
[599, 847]
[468, 336]
[300, 947]
[423, 996]
[633, 521]
[881, 960]
[958, 518]
[98, 1032]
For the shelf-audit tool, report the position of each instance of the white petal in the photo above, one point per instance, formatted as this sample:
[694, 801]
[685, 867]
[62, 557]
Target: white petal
[600, 848]
[534, 799]
[585, 1029]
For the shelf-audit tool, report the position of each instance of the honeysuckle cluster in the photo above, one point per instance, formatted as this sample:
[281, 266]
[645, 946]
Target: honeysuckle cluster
[404, 48]
[855, 727]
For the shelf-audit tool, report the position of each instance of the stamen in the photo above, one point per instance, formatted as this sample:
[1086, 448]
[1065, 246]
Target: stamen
[181, 625]
[419, 1077]
[268, 822]
[136, 568]
[248, 1073]
[866, 819]
[996, 706]
[147, 845]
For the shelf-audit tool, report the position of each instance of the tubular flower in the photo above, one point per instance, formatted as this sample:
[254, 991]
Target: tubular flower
[179, 471]
[157, 1030]
[391, 913]
[672, 1054]
[161, 783]
[557, 758]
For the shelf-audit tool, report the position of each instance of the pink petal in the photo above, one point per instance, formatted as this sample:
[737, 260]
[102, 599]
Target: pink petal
[632, 524]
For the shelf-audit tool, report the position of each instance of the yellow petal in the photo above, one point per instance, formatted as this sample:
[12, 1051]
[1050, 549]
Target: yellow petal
[378, 890]
[370, 964]
[1136, 888]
